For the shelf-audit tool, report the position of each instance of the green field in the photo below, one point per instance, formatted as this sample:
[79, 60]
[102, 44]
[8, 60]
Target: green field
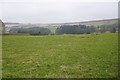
[52, 29]
[60, 56]
[102, 23]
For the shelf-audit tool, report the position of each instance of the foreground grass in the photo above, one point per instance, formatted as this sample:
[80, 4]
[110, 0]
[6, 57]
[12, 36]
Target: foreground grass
[60, 56]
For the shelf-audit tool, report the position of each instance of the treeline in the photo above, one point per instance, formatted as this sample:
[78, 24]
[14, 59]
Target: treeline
[31, 31]
[83, 29]
[68, 29]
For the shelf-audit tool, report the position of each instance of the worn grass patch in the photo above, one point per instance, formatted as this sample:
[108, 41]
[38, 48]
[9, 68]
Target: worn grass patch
[60, 56]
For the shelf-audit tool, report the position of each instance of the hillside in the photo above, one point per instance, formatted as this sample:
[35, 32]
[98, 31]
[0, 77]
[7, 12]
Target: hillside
[54, 26]
[94, 22]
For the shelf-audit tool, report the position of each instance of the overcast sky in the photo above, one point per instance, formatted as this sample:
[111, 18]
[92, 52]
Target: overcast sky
[57, 11]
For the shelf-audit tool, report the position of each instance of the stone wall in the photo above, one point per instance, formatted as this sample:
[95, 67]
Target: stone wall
[2, 27]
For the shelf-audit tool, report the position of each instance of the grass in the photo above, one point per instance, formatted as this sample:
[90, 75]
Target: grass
[51, 28]
[101, 23]
[60, 56]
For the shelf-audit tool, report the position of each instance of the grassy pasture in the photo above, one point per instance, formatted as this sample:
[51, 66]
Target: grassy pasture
[101, 23]
[60, 56]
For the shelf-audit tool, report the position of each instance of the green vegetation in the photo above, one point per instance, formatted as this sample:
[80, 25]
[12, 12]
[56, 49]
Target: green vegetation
[32, 31]
[60, 56]
[51, 28]
[67, 29]
[102, 23]
[83, 29]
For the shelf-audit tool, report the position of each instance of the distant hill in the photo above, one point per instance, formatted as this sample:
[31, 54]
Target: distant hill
[10, 23]
[95, 23]
[53, 26]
